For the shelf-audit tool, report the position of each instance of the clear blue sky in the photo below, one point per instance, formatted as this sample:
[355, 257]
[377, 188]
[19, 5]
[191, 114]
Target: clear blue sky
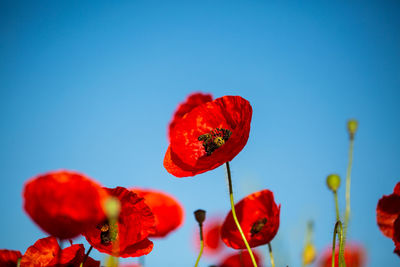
[92, 87]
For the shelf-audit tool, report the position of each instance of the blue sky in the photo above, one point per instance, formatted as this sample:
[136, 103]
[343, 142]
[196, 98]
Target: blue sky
[92, 87]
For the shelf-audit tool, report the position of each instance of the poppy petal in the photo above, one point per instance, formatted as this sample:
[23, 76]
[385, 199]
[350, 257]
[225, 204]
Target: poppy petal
[191, 152]
[64, 203]
[168, 212]
[9, 258]
[135, 223]
[258, 215]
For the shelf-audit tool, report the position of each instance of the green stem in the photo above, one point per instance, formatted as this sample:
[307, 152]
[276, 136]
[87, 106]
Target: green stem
[271, 256]
[336, 205]
[228, 169]
[201, 245]
[348, 180]
[341, 245]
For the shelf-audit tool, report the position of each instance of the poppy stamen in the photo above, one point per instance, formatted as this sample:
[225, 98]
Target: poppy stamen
[214, 139]
[257, 226]
[107, 234]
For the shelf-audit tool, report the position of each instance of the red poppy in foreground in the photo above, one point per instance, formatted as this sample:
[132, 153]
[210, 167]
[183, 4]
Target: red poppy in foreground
[168, 212]
[129, 235]
[258, 216]
[9, 258]
[46, 252]
[388, 216]
[354, 256]
[208, 136]
[64, 203]
[243, 260]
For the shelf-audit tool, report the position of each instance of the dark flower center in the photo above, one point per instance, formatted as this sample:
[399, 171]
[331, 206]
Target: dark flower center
[257, 226]
[214, 139]
[108, 232]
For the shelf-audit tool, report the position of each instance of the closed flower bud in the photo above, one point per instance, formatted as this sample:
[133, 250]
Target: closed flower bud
[309, 254]
[333, 182]
[352, 126]
[112, 207]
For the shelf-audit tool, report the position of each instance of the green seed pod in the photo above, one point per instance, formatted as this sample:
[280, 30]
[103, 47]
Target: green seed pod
[333, 182]
[352, 126]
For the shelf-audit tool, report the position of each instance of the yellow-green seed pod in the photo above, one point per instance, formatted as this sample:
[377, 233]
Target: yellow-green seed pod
[352, 126]
[333, 182]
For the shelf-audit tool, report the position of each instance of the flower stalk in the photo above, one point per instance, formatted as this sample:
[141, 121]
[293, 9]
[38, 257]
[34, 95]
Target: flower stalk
[234, 214]
[200, 216]
[338, 230]
[271, 256]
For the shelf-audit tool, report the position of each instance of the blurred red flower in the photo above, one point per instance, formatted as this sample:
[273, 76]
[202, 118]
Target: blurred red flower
[168, 212]
[135, 223]
[354, 256]
[46, 252]
[212, 236]
[258, 215]
[388, 216]
[237, 260]
[9, 258]
[207, 136]
[64, 203]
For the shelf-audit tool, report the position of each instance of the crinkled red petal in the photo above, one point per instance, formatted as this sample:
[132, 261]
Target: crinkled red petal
[45, 252]
[387, 211]
[241, 260]
[187, 153]
[141, 248]
[70, 256]
[192, 101]
[9, 258]
[135, 223]
[64, 203]
[168, 212]
[250, 210]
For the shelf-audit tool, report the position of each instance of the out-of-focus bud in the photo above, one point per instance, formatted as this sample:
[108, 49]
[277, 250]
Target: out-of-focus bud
[200, 216]
[309, 254]
[333, 182]
[352, 126]
[112, 207]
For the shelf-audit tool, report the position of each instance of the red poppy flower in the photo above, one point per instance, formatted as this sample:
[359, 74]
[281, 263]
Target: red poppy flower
[135, 224]
[258, 216]
[192, 101]
[208, 136]
[64, 203]
[9, 258]
[168, 212]
[388, 216]
[354, 256]
[212, 236]
[46, 252]
[237, 260]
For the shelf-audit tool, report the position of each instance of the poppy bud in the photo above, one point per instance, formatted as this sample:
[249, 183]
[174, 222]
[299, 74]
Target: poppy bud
[309, 254]
[112, 207]
[352, 126]
[333, 182]
[200, 216]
